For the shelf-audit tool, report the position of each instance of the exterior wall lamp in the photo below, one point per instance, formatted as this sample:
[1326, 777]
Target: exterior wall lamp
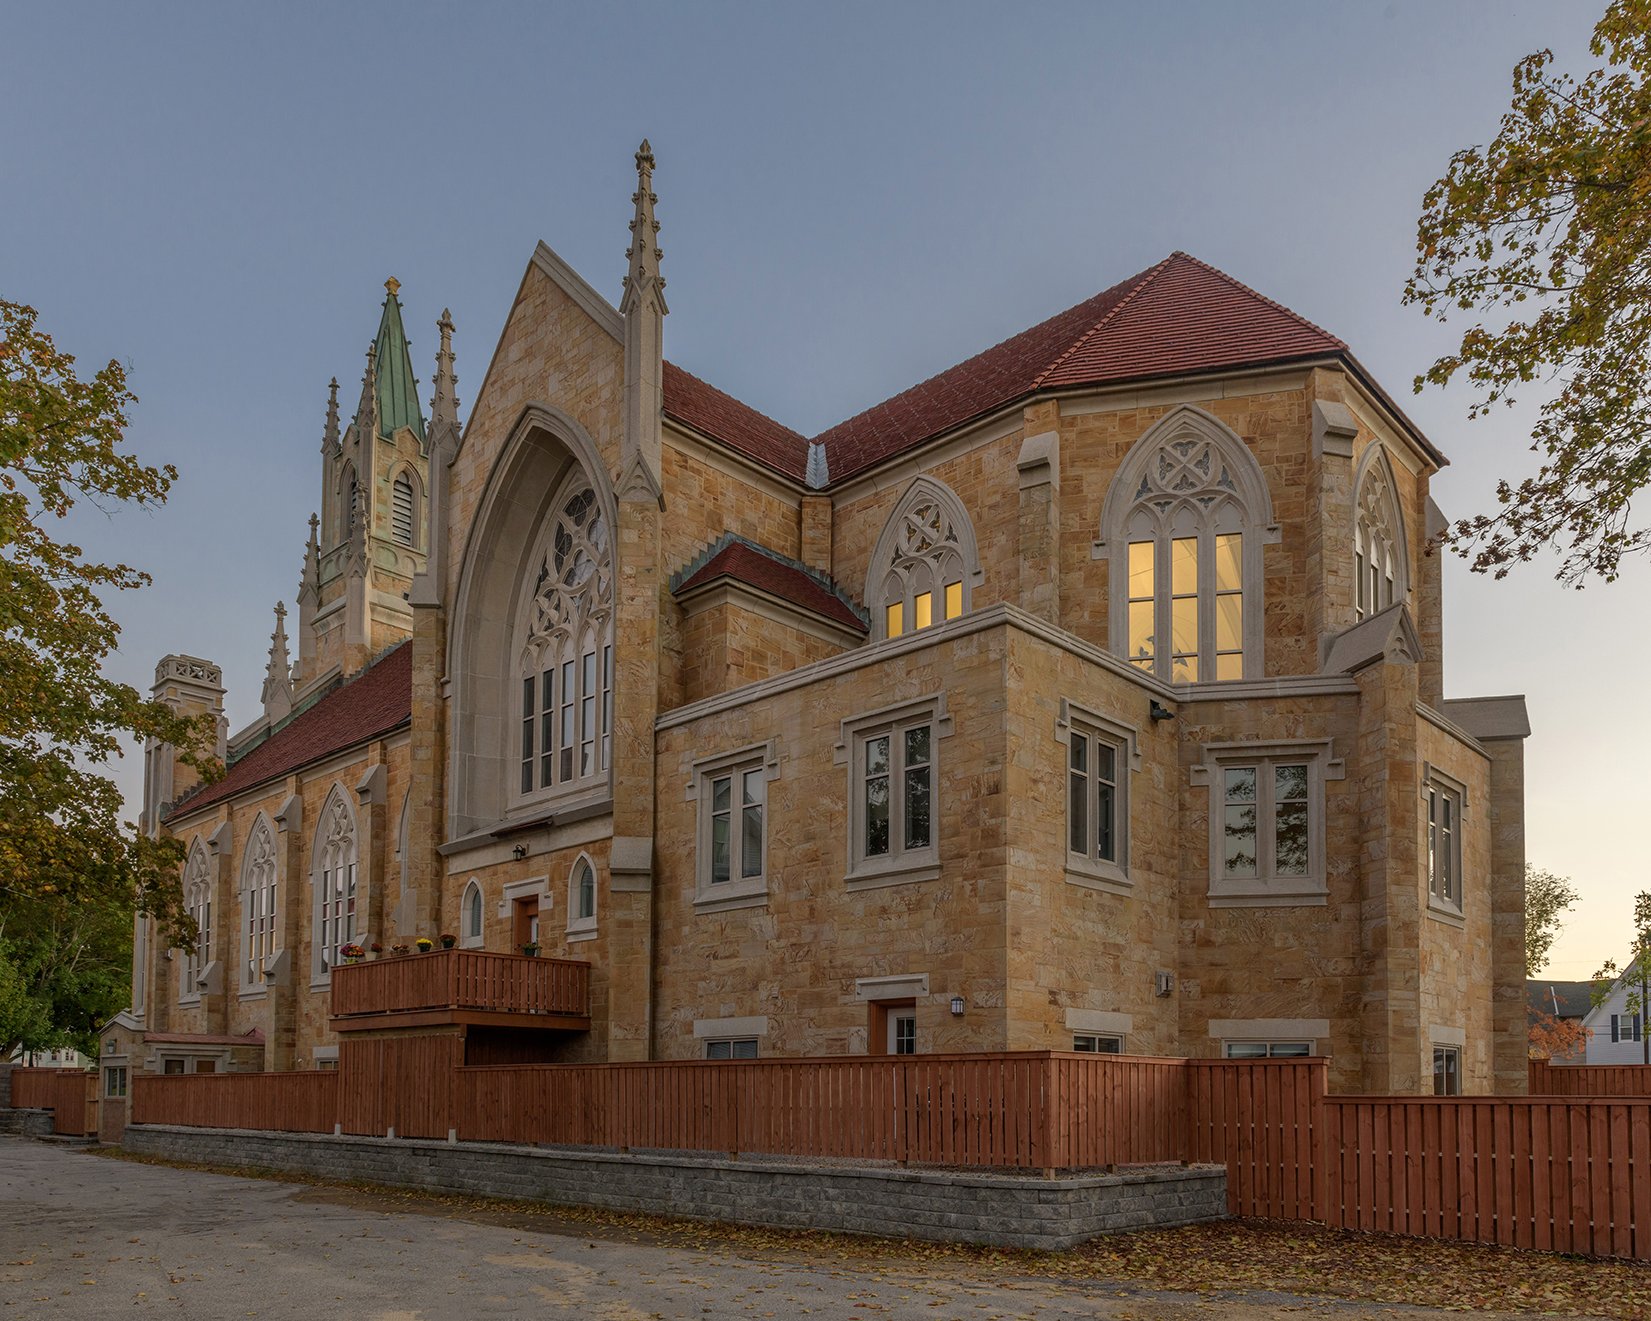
[1158, 711]
[519, 852]
[957, 1006]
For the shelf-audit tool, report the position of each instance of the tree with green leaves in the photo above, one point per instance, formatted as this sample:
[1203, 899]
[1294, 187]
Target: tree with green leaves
[1545, 235]
[1547, 898]
[63, 844]
[1634, 976]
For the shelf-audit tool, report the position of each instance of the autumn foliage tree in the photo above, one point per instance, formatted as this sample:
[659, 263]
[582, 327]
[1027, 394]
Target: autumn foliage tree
[1553, 1038]
[63, 844]
[1546, 233]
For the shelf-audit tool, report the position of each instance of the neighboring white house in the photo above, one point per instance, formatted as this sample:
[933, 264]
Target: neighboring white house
[1618, 1034]
[49, 1059]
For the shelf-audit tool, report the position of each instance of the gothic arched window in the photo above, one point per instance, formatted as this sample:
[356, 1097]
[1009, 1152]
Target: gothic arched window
[1183, 527]
[258, 903]
[403, 510]
[924, 567]
[197, 898]
[566, 647]
[335, 882]
[581, 898]
[349, 493]
[1379, 575]
[471, 917]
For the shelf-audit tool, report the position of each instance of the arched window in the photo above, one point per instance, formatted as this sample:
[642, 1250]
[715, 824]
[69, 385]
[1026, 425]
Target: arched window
[334, 879]
[349, 491]
[403, 510]
[1378, 539]
[566, 647]
[924, 568]
[197, 898]
[470, 917]
[258, 903]
[1183, 527]
[582, 897]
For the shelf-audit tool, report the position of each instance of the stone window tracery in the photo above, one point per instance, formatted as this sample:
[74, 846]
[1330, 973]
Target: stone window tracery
[335, 882]
[197, 894]
[258, 897]
[1184, 524]
[925, 564]
[566, 649]
[1378, 542]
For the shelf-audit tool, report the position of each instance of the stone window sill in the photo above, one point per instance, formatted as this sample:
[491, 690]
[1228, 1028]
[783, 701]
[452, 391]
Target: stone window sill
[1297, 892]
[1446, 915]
[729, 895]
[1093, 874]
[583, 934]
[254, 992]
[874, 876]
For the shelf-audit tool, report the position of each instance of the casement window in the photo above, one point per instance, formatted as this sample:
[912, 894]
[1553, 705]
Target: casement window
[924, 566]
[334, 878]
[1267, 820]
[114, 1081]
[1095, 1043]
[1625, 1027]
[565, 637]
[731, 1048]
[902, 1031]
[1100, 755]
[258, 904]
[1266, 1050]
[470, 917]
[582, 900]
[197, 897]
[732, 796]
[1444, 800]
[172, 1067]
[1183, 527]
[1447, 1070]
[1378, 540]
[893, 759]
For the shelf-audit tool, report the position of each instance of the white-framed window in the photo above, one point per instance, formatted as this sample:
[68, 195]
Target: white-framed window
[1443, 800]
[470, 917]
[1267, 820]
[1625, 1027]
[334, 879]
[1097, 1043]
[1183, 526]
[197, 898]
[258, 900]
[731, 1048]
[582, 900]
[902, 1030]
[565, 645]
[1266, 1050]
[404, 509]
[924, 567]
[114, 1081]
[732, 862]
[893, 758]
[1100, 755]
[1447, 1070]
[1379, 575]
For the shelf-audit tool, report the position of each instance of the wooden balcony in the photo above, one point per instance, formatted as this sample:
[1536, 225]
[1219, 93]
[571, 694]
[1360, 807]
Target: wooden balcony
[467, 986]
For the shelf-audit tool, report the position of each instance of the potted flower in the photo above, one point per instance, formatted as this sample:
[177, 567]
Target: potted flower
[531, 949]
[352, 953]
[448, 940]
[401, 950]
[425, 944]
[378, 950]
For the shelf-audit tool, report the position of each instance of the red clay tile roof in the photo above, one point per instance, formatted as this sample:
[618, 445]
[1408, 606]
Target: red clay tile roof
[747, 564]
[374, 702]
[712, 413]
[1178, 317]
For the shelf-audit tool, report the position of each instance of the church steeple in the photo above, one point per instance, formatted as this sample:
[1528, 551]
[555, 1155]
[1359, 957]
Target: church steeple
[397, 394]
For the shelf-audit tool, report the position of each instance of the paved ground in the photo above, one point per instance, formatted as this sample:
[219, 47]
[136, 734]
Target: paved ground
[88, 1238]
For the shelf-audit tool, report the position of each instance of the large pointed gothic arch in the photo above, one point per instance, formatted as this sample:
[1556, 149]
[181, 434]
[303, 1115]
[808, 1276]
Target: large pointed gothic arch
[925, 566]
[197, 899]
[527, 588]
[1182, 528]
[339, 901]
[260, 902]
[1381, 551]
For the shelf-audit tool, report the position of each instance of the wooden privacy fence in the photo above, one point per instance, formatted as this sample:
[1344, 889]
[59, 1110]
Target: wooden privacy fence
[283, 1102]
[70, 1094]
[462, 979]
[1550, 1079]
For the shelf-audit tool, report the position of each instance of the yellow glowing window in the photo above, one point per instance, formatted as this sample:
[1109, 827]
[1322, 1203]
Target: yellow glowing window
[1142, 628]
[894, 620]
[1229, 606]
[954, 600]
[920, 609]
[1183, 604]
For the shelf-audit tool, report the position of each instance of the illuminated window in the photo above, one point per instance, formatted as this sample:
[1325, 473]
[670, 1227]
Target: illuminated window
[1184, 523]
[924, 565]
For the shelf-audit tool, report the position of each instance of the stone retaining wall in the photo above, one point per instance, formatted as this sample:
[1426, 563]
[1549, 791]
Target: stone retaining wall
[1002, 1210]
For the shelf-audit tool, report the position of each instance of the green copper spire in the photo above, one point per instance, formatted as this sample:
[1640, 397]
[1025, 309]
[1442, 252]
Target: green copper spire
[398, 404]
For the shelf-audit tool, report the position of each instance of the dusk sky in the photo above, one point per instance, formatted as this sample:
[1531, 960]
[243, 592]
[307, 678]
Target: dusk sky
[852, 197]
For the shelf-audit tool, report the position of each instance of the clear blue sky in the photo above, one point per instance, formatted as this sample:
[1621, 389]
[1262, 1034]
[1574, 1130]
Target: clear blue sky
[853, 196]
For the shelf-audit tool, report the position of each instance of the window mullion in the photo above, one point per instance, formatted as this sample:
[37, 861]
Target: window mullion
[1206, 602]
[1266, 833]
[897, 791]
[1163, 642]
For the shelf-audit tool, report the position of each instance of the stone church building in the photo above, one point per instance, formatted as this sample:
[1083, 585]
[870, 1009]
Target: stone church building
[1087, 695]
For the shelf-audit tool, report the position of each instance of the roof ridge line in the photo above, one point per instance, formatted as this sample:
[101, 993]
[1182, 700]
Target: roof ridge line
[1271, 302]
[1146, 278]
[767, 417]
[824, 581]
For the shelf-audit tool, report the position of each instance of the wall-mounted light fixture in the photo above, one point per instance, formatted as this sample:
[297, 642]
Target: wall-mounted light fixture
[957, 1006]
[1158, 711]
[519, 852]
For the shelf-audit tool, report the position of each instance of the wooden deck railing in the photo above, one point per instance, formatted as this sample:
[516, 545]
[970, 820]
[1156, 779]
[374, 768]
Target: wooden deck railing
[70, 1094]
[462, 979]
[284, 1102]
[1550, 1079]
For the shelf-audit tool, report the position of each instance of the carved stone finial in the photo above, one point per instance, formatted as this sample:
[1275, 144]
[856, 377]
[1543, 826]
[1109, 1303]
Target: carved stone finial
[444, 405]
[393, 285]
[329, 437]
[277, 694]
[643, 277]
